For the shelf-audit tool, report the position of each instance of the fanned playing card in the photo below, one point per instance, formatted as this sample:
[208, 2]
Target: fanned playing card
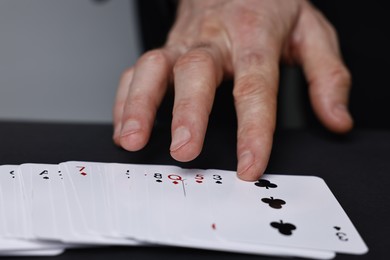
[46, 208]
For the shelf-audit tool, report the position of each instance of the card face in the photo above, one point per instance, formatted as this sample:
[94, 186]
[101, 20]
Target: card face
[61, 208]
[118, 183]
[155, 204]
[3, 230]
[79, 187]
[74, 228]
[181, 200]
[78, 183]
[36, 179]
[102, 209]
[12, 194]
[282, 210]
[199, 228]
[129, 194]
[167, 198]
[198, 212]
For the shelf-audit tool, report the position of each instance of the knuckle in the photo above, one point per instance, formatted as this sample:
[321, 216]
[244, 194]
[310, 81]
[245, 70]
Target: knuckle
[251, 86]
[157, 56]
[137, 100]
[258, 126]
[257, 133]
[190, 109]
[193, 59]
[246, 86]
[252, 59]
[338, 76]
[182, 106]
[342, 76]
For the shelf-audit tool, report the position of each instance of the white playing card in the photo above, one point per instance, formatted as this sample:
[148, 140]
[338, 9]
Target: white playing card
[199, 206]
[304, 215]
[61, 209]
[167, 203]
[186, 220]
[101, 216]
[12, 194]
[103, 208]
[3, 231]
[80, 188]
[68, 212]
[78, 185]
[40, 215]
[129, 194]
[119, 184]
[27, 194]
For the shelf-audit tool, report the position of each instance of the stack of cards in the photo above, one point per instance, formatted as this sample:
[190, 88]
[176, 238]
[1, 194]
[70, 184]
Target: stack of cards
[46, 208]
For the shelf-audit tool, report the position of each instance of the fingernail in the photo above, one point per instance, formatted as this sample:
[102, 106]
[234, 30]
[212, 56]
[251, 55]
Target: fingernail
[245, 160]
[130, 127]
[180, 137]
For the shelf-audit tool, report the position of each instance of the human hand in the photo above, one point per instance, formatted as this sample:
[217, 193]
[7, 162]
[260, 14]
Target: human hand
[245, 40]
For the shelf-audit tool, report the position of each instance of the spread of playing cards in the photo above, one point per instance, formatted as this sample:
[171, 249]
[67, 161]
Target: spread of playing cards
[47, 208]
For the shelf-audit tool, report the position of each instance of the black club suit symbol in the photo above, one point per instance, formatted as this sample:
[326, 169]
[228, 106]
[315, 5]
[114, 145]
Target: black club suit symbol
[284, 228]
[265, 184]
[274, 203]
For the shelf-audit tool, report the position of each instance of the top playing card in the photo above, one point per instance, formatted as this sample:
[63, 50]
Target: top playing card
[294, 211]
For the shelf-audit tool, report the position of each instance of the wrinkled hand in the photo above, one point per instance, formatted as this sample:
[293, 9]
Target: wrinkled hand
[244, 40]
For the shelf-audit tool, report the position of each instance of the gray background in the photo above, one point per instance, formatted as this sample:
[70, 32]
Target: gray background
[60, 60]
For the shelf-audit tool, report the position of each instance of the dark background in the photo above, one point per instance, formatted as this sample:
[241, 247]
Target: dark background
[362, 27]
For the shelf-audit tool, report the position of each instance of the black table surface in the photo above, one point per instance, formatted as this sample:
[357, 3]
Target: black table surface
[356, 167]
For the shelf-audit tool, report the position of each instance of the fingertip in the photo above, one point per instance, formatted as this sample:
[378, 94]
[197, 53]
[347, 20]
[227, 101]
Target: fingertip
[181, 136]
[335, 118]
[132, 142]
[186, 153]
[245, 161]
[343, 121]
[329, 97]
[250, 174]
[248, 168]
[184, 147]
[183, 156]
[131, 136]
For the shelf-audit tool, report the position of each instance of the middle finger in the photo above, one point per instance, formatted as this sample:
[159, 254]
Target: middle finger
[196, 74]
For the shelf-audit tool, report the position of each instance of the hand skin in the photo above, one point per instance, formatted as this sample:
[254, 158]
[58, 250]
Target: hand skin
[241, 39]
